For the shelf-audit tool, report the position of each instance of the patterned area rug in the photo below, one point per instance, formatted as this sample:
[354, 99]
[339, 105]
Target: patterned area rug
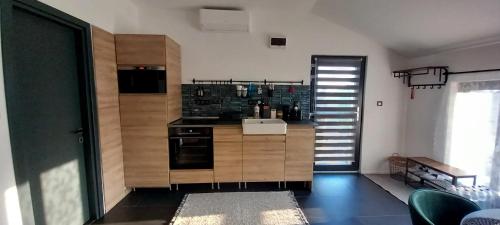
[242, 208]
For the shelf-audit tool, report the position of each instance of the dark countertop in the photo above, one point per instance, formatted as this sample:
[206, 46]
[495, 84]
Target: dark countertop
[212, 122]
[301, 122]
[227, 122]
[202, 122]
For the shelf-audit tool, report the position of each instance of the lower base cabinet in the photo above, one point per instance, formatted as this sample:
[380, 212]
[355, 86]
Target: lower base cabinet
[252, 158]
[145, 156]
[299, 160]
[228, 154]
[228, 162]
[263, 158]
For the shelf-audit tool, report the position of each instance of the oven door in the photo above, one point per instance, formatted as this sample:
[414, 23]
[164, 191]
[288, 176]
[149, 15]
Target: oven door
[191, 153]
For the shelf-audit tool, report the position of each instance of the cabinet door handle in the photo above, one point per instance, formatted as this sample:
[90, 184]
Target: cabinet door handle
[77, 131]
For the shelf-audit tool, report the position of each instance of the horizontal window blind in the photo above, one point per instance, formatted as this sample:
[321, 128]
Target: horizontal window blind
[337, 95]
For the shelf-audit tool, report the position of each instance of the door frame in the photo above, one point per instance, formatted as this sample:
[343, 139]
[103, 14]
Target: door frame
[86, 83]
[359, 130]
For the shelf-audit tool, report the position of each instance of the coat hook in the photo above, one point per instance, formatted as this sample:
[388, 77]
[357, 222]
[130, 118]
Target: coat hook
[432, 87]
[418, 87]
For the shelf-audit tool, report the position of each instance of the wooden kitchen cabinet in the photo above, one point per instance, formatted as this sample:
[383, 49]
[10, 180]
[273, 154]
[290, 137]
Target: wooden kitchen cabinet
[174, 80]
[228, 154]
[143, 110]
[299, 159]
[263, 158]
[137, 49]
[158, 50]
[228, 133]
[110, 136]
[145, 140]
[145, 117]
[145, 156]
[199, 176]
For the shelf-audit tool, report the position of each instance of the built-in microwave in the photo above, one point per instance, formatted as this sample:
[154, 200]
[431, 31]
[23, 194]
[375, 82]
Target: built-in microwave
[142, 79]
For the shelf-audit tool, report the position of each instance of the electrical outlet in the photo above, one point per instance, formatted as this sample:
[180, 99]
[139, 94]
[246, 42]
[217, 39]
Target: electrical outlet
[380, 103]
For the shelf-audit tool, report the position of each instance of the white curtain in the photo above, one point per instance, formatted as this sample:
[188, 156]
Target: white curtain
[495, 167]
[472, 132]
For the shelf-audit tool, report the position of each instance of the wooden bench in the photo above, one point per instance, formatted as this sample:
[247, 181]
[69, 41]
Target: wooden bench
[453, 172]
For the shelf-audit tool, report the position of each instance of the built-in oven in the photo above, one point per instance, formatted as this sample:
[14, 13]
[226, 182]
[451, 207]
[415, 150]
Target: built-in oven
[142, 79]
[191, 148]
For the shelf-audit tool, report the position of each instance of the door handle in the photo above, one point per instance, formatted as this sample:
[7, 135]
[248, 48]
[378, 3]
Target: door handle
[77, 131]
[357, 113]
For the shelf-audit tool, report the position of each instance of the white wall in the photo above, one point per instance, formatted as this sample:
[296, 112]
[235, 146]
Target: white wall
[208, 55]
[110, 15]
[427, 113]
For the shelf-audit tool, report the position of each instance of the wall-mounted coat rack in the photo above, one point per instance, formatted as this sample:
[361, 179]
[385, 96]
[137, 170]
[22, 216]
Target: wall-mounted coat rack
[440, 71]
[407, 75]
[231, 81]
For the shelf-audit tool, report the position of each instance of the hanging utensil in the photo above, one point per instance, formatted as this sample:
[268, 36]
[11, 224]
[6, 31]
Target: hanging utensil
[198, 92]
[250, 89]
[245, 94]
[270, 90]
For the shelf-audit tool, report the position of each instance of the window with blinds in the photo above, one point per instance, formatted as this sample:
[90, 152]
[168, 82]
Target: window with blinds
[337, 84]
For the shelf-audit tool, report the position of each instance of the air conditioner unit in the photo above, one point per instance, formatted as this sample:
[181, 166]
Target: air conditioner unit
[223, 20]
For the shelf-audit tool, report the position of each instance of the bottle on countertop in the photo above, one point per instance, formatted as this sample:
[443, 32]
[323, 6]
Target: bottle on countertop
[273, 113]
[279, 114]
[295, 112]
[256, 111]
[266, 111]
[295, 107]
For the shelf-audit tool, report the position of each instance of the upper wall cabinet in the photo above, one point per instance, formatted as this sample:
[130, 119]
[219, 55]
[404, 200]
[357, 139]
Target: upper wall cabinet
[158, 50]
[133, 49]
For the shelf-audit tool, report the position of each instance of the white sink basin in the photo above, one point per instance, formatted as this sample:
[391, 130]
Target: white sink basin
[264, 126]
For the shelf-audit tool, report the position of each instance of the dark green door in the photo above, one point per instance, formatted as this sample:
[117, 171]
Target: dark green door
[44, 105]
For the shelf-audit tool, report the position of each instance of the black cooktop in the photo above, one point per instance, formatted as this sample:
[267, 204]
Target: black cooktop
[202, 122]
[195, 122]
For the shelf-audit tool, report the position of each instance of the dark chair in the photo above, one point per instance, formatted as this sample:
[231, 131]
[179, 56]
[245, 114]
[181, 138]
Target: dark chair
[431, 207]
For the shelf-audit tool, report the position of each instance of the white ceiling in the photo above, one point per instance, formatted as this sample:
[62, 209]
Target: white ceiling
[418, 27]
[409, 27]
